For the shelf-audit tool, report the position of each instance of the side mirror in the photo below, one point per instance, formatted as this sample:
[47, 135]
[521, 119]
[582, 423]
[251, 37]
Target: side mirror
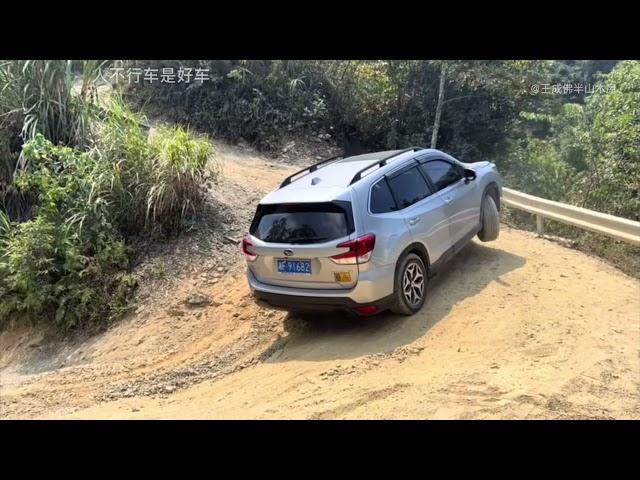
[469, 175]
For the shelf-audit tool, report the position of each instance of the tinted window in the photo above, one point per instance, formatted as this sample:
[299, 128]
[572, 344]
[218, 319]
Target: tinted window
[442, 174]
[300, 223]
[409, 187]
[381, 199]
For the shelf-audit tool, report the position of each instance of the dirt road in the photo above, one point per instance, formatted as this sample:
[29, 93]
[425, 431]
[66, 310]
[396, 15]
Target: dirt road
[517, 328]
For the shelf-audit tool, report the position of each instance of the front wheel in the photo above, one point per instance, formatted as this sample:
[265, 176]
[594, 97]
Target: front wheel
[490, 218]
[410, 285]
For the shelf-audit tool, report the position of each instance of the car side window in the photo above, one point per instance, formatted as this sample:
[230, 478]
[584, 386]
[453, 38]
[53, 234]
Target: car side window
[381, 199]
[409, 187]
[441, 173]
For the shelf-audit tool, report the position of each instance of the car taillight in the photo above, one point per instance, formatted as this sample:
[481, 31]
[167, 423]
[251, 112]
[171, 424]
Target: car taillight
[360, 250]
[249, 254]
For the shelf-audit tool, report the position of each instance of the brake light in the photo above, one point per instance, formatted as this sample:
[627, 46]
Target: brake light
[249, 254]
[360, 250]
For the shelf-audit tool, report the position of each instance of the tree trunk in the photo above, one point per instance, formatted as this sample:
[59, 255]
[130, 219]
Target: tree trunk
[436, 122]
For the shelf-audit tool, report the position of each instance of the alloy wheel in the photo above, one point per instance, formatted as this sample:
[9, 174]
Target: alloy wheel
[413, 283]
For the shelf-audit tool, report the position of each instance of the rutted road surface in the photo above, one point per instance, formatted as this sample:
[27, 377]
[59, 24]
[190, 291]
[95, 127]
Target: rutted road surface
[517, 328]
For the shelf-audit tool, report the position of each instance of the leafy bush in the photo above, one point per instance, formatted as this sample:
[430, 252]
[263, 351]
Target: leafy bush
[365, 104]
[11, 200]
[612, 181]
[177, 172]
[39, 93]
[37, 96]
[258, 101]
[535, 168]
[160, 176]
[590, 155]
[69, 263]
[77, 181]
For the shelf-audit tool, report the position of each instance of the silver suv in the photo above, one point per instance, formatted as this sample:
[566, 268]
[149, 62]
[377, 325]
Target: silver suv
[366, 233]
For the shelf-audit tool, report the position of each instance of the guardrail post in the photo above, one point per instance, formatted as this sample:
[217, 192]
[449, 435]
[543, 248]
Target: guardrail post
[540, 224]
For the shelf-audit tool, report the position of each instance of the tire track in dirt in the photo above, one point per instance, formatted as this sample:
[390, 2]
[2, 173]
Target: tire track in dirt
[165, 346]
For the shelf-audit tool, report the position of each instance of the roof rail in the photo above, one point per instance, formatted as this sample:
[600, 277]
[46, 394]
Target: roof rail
[382, 163]
[310, 169]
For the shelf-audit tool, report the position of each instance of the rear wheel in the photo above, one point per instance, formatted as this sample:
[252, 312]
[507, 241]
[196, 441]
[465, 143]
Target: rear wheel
[410, 285]
[490, 218]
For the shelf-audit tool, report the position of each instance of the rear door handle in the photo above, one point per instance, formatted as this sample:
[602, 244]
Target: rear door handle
[447, 199]
[414, 220]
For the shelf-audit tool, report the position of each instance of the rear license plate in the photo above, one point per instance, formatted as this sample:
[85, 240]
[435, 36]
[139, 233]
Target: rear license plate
[302, 267]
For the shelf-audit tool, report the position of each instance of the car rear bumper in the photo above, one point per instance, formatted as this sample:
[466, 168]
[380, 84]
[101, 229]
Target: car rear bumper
[313, 300]
[317, 304]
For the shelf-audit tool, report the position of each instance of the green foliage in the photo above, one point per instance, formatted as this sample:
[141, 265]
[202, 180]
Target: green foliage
[362, 98]
[158, 268]
[37, 96]
[534, 168]
[159, 178]
[179, 162]
[10, 199]
[38, 93]
[76, 182]
[590, 153]
[69, 263]
[365, 104]
[585, 154]
[258, 101]
[612, 182]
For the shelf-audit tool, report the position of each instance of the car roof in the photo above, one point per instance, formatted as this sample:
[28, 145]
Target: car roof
[332, 181]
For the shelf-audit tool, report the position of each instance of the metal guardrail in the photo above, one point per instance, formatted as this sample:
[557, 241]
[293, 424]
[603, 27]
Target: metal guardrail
[615, 227]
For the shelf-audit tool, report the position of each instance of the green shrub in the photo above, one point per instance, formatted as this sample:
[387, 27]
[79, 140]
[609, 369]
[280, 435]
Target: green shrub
[69, 263]
[159, 177]
[11, 200]
[612, 182]
[47, 97]
[259, 101]
[178, 168]
[590, 156]
[364, 104]
[39, 94]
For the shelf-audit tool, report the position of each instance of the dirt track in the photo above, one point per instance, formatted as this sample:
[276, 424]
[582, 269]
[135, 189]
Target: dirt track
[517, 328]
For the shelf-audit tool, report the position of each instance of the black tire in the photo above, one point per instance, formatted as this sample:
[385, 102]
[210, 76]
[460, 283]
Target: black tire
[409, 263]
[490, 219]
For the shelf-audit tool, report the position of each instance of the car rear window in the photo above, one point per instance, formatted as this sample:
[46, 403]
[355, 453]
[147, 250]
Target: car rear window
[302, 223]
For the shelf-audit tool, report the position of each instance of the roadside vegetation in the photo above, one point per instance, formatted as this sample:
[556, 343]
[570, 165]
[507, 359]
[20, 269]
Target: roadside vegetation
[82, 176]
[80, 181]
